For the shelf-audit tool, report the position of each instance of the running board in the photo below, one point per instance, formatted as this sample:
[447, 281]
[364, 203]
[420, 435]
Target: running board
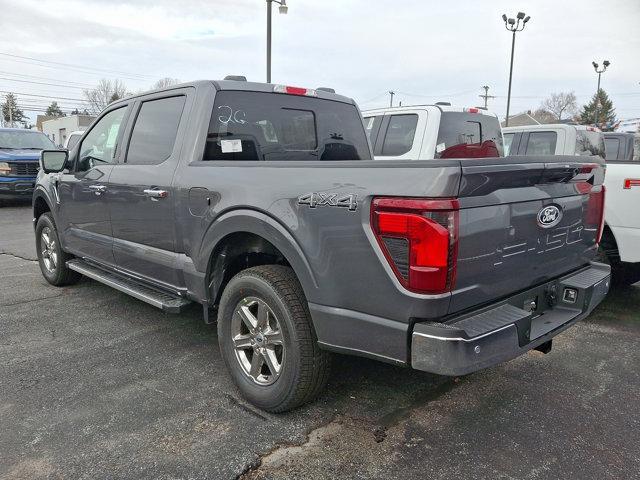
[165, 301]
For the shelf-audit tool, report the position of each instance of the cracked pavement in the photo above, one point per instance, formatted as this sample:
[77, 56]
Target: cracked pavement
[95, 384]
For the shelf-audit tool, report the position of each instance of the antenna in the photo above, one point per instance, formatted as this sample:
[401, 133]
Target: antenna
[486, 95]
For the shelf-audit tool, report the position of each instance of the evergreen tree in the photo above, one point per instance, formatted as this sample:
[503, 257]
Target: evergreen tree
[11, 114]
[54, 110]
[606, 112]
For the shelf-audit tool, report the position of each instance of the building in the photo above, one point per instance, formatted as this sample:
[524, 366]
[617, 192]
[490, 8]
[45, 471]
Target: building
[631, 125]
[521, 120]
[58, 128]
[42, 118]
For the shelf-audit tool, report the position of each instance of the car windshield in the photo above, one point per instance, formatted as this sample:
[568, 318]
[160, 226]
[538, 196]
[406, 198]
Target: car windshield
[590, 142]
[26, 140]
[267, 126]
[469, 135]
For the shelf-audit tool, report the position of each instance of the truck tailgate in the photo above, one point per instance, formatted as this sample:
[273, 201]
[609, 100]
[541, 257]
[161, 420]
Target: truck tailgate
[522, 223]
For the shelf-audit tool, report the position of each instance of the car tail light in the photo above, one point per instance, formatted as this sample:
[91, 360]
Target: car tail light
[419, 238]
[594, 216]
[309, 92]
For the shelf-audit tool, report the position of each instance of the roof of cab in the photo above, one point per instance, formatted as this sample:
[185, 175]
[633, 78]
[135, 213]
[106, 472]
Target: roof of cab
[238, 86]
[442, 108]
[547, 126]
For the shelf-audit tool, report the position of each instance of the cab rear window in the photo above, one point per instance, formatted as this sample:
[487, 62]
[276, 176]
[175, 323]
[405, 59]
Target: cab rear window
[468, 135]
[276, 127]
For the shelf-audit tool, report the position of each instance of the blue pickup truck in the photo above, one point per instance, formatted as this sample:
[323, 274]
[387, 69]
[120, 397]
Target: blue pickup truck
[19, 156]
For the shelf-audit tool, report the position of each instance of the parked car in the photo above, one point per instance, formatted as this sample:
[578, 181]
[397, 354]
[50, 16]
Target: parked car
[424, 132]
[622, 147]
[620, 246]
[263, 204]
[553, 139]
[72, 139]
[19, 155]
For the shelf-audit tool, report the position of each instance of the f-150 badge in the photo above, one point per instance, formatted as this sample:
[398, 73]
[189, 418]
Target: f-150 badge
[315, 199]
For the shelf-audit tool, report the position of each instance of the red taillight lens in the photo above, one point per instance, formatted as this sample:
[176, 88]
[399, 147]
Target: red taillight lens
[594, 217]
[419, 239]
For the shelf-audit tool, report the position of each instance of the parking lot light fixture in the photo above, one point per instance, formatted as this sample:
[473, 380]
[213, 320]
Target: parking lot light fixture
[283, 9]
[599, 71]
[513, 25]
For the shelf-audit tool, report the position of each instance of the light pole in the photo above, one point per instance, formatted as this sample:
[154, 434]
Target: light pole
[605, 64]
[513, 26]
[391, 94]
[283, 8]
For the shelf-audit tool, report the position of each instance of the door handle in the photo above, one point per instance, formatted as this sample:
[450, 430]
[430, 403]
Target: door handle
[153, 193]
[98, 189]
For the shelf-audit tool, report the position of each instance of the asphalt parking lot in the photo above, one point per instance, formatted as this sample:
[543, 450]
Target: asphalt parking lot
[95, 384]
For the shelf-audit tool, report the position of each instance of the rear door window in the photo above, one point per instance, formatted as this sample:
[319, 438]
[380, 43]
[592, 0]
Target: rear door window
[590, 142]
[400, 134]
[508, 140]
[155, 130]
[468, 135]
[276, 127]
[611, 147]
[371, 126]
[541, 143]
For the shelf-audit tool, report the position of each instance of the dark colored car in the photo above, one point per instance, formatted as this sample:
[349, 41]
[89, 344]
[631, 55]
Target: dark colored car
[263, 204]
[19, 155]
[622, 147]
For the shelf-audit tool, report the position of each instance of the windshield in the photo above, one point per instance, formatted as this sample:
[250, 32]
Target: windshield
[268, 126]
[27, 140]
[468, 135]
[590, 142]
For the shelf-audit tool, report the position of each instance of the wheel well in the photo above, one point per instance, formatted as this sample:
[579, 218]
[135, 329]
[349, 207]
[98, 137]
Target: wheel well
[234, 253]
[609, 244]
[40, 206]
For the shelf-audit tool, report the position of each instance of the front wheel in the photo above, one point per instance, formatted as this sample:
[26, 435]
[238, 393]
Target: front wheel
[51, 257]
[267, 339]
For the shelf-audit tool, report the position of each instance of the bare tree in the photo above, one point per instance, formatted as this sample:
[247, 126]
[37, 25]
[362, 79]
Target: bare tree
[560, 103]
[165, 82]
[106, 91]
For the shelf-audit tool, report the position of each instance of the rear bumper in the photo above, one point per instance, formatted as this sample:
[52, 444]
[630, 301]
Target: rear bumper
[506, 330]
[16, 187]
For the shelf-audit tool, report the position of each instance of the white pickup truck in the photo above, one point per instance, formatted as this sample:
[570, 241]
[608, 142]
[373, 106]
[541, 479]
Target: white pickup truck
[620, 245]
[425, 132]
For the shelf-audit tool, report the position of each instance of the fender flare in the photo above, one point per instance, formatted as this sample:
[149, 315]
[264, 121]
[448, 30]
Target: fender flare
[265, 226]
[40, 192]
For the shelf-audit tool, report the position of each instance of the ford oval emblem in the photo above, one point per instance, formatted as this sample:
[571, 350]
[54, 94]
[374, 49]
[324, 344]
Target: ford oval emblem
[549, 216]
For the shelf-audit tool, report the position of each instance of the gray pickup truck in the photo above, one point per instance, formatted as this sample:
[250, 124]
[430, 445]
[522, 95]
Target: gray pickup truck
[263, 203]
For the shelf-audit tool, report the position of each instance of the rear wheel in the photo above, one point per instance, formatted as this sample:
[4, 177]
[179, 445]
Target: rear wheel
[51, 257]
[267, 339]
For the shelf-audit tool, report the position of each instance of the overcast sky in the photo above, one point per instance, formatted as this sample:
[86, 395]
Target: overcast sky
[426, 51]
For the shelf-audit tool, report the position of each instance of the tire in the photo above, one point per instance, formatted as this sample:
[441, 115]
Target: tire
[271, 297]
[51, 257]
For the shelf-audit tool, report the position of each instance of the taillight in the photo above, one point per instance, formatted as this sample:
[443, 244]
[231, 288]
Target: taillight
[419, 239]
[594, 217]
[309, 92]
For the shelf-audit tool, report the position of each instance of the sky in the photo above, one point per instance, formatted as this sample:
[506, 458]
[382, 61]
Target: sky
[425, 51]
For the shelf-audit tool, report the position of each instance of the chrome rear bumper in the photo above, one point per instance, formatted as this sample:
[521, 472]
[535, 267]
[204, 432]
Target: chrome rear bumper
[510, 328]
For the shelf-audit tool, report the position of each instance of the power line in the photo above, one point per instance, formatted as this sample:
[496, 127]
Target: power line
[41, 83]
[46, 78]
[141, 76]
[42, 96]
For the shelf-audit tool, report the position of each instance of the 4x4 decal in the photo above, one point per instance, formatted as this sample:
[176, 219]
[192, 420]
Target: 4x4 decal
[315, 199]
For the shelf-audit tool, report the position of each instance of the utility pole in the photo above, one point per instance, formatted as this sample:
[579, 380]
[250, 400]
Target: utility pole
[283, 8]
[486, 95]
[391, 93]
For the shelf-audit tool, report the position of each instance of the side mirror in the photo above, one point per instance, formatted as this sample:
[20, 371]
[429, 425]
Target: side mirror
[52, 161]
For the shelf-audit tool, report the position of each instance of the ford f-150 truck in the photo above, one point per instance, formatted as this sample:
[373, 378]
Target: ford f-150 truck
[19, 155]
[620, 245]
[263, 203]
